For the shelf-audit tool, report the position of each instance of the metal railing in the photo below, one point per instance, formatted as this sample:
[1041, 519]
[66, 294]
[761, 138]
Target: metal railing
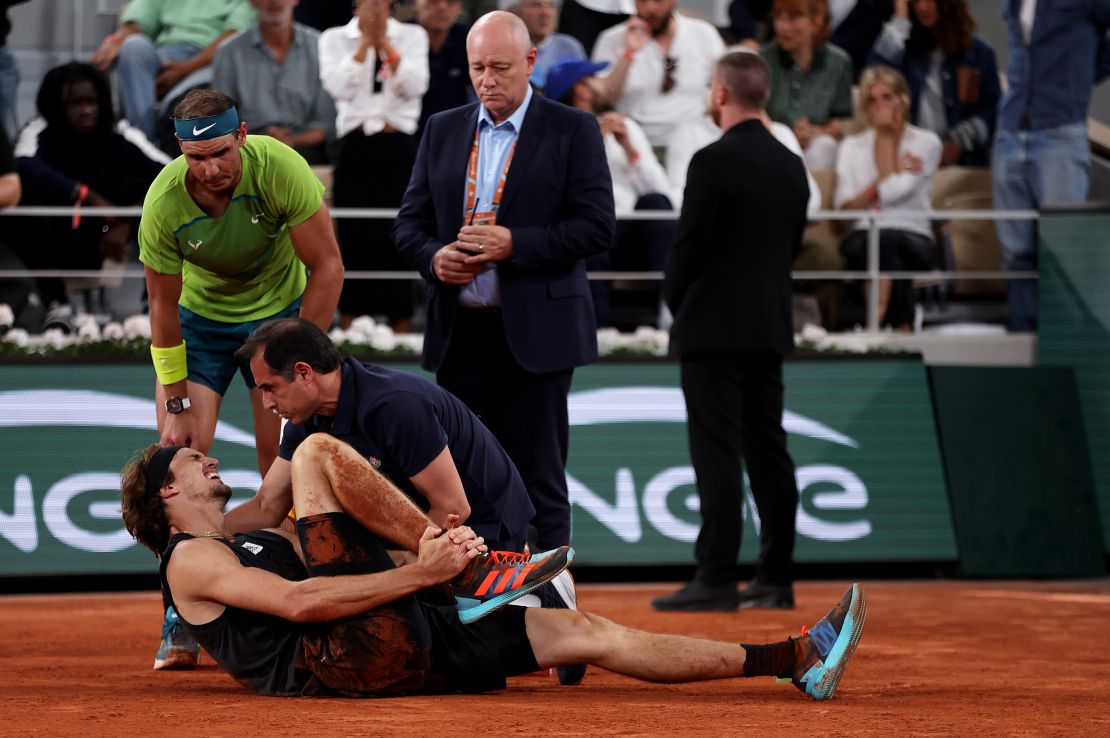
[872, 275]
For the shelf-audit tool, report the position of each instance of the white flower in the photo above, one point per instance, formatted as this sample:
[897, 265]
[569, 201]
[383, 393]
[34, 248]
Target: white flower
[7, 316]
[814, 333]
[648, 340]
[18, 336]
[607, 340]
[856, 343]
[89, 332]
[55, 338]
[84, 319]
[382, 338]
[412, 342]
[112, 332]
[363, 325]
[137, 326]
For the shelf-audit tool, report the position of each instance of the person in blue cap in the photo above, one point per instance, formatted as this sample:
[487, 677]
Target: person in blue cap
[639, 180]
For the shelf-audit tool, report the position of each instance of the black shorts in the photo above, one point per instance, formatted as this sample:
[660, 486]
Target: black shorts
[407, 646]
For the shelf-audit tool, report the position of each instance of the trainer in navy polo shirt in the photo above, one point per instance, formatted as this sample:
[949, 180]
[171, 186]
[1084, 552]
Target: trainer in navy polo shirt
[401, 422]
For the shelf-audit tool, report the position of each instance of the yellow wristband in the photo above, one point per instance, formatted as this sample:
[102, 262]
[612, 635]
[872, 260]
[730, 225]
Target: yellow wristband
[169, 363]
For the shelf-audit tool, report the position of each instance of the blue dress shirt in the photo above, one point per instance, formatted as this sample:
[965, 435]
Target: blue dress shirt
[494, 144]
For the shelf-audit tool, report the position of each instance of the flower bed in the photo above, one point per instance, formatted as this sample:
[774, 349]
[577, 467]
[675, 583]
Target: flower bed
[130, 341]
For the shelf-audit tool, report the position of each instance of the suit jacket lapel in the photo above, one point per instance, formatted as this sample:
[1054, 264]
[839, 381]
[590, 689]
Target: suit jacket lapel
[528, 143]
[458, 156]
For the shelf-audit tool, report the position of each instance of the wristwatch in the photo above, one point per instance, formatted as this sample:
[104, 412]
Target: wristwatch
[176, 405]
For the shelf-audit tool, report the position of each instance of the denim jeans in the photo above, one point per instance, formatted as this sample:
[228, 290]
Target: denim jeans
[138, 64]
[9, 89]
[1032, 169]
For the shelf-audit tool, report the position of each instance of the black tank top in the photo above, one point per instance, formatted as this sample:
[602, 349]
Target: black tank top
[260, 651]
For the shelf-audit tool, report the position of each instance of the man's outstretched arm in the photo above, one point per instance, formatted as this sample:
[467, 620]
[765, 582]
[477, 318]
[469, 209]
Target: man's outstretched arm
[205, 577]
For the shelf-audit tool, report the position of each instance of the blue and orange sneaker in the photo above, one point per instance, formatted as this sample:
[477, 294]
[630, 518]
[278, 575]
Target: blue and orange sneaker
[826, 648]
[499, 577]
[177, 649]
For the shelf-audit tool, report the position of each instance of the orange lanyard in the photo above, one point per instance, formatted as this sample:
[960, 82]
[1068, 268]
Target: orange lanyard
[486, 217]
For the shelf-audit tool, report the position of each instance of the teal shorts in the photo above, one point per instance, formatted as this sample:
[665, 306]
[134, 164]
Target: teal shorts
[210, 347]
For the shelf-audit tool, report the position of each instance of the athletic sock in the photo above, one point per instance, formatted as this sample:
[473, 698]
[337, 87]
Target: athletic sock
[769, 659]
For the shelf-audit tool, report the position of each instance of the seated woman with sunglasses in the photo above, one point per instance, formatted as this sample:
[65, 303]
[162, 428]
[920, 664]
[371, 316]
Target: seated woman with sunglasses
[889, 166]
[811, 79]
[660, 64]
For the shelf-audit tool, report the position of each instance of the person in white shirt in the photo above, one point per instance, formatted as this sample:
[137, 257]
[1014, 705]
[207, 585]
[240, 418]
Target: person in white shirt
[661, 65]
[376, 70]
[688, 139]
[586, 19]
[889, 166]
[639, 182]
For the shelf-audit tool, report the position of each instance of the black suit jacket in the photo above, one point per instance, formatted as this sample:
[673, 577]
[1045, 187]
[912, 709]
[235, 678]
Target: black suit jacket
[728, 273]
[558, 203]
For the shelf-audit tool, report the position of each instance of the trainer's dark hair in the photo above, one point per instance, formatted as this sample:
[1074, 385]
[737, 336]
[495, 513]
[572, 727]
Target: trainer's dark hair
[144, 515]
[746, 79]
[51, 105]
[201, 103]
[285, 341]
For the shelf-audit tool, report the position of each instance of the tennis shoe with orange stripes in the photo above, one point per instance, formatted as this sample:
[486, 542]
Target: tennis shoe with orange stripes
[495, 579]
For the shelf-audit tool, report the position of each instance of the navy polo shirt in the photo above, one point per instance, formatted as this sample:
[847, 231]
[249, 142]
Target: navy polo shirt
[401, 422]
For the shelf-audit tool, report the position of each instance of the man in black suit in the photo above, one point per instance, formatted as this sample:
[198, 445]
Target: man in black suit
[728, 285]
[507, 198]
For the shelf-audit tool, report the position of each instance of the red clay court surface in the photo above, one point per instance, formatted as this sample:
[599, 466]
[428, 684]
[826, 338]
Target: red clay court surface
[938, 658]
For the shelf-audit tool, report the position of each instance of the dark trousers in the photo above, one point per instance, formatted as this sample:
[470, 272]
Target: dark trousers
[898, 251]
[734, 408]
[525, 411]
[585, 24]
[640, 245]
[53, 243]
[372, 172]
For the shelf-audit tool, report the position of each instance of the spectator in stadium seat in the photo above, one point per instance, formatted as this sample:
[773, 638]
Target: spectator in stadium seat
[1057, 53]
[952, 74]
[660, 64]
[376, 70]
[639, 182]
[9, 73]
[853, 24]
[811, 79]
[76, 154]
[160, 43]
[448, 80]
[272, 71]
[586, 19]
[890, 165]
[541, 18]
[696, 135]
[14, 291]
[10, 187]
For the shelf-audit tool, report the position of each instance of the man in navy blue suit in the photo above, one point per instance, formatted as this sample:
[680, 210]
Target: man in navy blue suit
[507, 199]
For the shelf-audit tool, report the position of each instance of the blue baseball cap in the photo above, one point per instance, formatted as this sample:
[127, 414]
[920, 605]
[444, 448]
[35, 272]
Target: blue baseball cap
[566, 72]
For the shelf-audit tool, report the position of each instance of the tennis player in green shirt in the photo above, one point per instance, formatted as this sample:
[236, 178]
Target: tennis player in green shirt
[227, 232]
